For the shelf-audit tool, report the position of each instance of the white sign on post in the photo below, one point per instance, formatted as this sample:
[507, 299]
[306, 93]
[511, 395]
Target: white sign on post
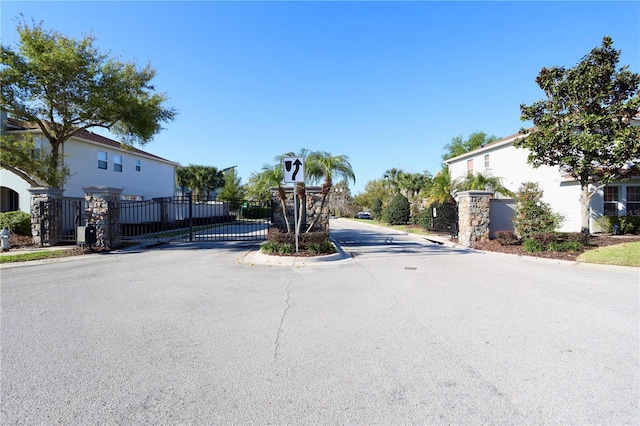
[293, 169]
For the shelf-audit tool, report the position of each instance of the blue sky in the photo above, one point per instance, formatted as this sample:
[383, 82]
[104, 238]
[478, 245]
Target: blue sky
[386, 83]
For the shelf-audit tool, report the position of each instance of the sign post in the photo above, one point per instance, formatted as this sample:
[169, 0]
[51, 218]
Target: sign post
[293, 168]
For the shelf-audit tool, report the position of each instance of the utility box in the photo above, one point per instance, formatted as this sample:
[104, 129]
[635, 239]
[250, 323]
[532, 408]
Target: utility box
[87, 235]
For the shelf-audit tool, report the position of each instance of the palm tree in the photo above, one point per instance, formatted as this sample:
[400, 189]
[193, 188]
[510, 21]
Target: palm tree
[322, 166]
[272, 176]
[442, 187]
[392, 179]
[483, 182]
[199, 179]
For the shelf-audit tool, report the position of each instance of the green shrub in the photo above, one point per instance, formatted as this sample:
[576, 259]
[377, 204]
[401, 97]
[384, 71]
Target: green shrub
[424, 218]
[532, 246]
[625, 224]
[398, 211]
[507, 238]
[270, 247]
[564, 246]
[16, 222]
[286, 249]
[533, 214]
[321, 248]
[255, 212]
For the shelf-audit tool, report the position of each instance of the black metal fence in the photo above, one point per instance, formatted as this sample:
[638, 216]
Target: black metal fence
[59, 220]
[182, 219]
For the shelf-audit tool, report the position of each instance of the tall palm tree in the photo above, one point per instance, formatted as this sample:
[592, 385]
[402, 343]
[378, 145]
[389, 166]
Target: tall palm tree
[272, 176]
[322, 166]
[392, 178]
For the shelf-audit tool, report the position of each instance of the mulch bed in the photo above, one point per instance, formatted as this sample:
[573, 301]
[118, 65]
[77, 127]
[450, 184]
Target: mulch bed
[594, 242]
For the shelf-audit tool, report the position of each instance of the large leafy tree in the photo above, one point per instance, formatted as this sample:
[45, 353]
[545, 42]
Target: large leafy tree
[64, 86]
[584, 123]
[200, 180]
[322, 166]
[458, 145]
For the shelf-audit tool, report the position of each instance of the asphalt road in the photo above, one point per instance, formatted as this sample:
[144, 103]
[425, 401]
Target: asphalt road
[406, 332]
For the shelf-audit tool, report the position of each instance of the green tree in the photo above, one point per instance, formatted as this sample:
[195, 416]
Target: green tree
[322, 166]
[533, 214]
[232, 189]
[398, 211]
[64, 86]
[200, 180]
[373, 189]
[34, 164]
[459, 145]
[584, 125]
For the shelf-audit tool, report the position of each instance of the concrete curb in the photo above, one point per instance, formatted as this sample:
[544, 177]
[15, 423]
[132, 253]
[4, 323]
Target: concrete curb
[256, 257]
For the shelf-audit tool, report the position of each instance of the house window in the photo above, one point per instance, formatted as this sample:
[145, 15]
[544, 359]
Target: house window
[38, 150]
[102, 160]
[486, 161]
[138, 165]
[633, 200]
[117, 163]
[611, 199]
[470, 167]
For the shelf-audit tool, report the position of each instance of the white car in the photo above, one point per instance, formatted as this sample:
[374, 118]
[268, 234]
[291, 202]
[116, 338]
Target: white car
[364, 215]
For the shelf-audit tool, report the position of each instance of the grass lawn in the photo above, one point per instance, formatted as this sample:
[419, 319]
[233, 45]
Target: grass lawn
[36, 255]
[625, 254]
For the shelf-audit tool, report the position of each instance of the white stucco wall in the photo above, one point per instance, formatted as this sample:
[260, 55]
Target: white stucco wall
[155, 179]
[510, 164]
[11, 180]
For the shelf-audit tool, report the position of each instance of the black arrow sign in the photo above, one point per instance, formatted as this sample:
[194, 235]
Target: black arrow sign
[297, 163]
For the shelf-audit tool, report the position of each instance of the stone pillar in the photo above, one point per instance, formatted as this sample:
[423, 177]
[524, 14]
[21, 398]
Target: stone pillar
[46, 224]
[473, 217]
[312, 209]
[102, 209]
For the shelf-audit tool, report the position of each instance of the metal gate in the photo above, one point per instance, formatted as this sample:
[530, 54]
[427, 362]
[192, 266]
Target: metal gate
[182, 219]
[444, 218]
[59, 220]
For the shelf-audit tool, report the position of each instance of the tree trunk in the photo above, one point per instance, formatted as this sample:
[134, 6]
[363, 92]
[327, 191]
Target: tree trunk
[584, 207]
[283, 201]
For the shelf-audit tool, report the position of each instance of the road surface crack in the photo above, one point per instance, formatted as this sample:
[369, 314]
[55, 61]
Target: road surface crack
[284, 314]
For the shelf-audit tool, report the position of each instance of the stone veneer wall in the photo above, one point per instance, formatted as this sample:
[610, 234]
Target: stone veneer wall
[102, 209]
[312, 209]
[53, 219]
[473, 217]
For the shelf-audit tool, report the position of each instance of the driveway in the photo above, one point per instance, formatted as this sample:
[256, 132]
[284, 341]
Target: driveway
[407, 331]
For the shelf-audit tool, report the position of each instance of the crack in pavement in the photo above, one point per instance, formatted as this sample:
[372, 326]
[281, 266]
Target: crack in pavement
[284, 314]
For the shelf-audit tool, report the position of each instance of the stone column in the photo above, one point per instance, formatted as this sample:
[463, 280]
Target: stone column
[311, 208]
[46, 225]
[473, 217]
[102, 209]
